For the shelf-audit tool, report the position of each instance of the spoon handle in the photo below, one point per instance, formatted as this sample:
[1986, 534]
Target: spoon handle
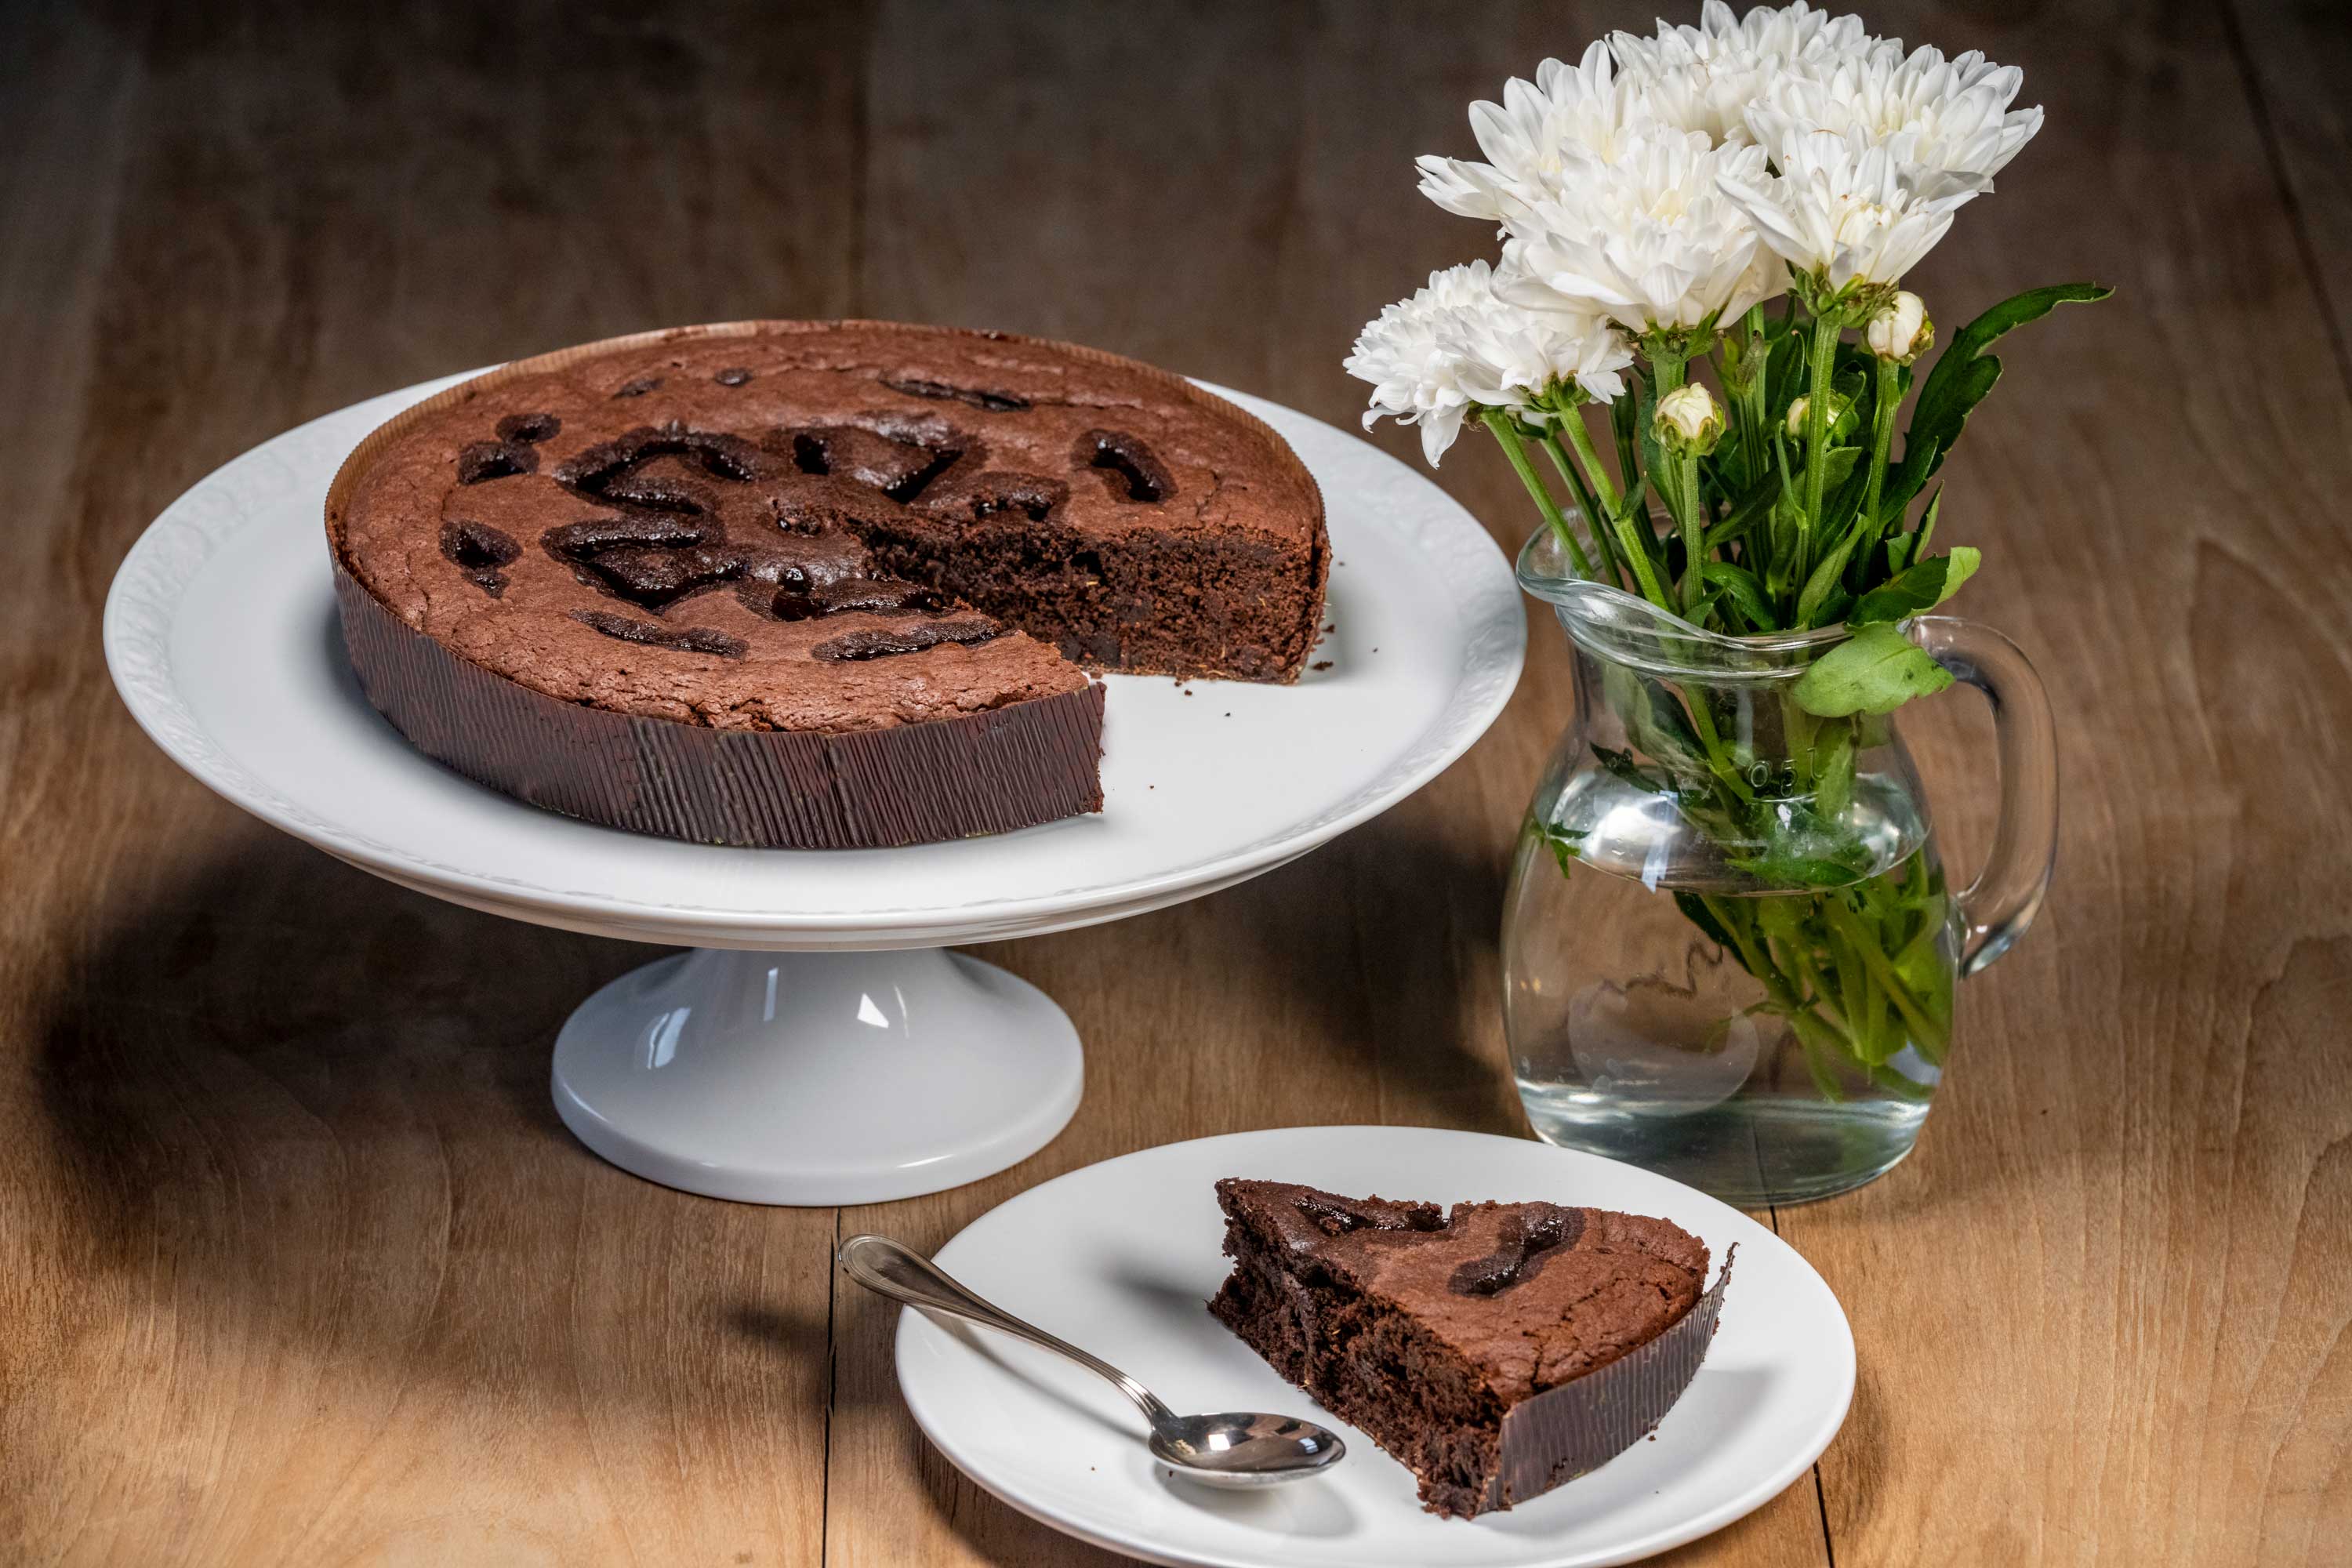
[889, 1270]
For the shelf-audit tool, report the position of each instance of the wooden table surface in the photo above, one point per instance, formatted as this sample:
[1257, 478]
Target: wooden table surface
[296, 1263]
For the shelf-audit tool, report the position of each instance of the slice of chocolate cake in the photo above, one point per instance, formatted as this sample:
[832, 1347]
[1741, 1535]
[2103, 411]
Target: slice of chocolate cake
[1496, 1352]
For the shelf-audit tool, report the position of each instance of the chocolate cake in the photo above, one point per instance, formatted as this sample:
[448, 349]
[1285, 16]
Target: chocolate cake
[1496, 1352]
[813, 584]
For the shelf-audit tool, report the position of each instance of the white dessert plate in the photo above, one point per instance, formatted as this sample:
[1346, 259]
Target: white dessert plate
[1122, 1257]
[222, 635]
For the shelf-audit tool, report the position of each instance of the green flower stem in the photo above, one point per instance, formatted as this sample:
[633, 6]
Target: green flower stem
[1621, 506]
[1882, 441]
[1826, 328]
[1620, 512]
[1682, 486]
[1866, 946]
[1718, 757]
[1581, 439]
[1624, 423]
[1623, 412]
[1740, 362]
[1505, 428]
[1781, 995]
[1751, 397]
[1595, 516]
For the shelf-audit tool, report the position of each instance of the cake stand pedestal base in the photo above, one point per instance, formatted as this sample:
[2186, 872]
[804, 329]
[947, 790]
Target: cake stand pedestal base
[817, 1077]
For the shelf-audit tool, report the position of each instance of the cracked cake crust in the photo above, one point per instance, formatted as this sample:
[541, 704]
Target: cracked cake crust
[881, 558]
[1076, 507]
[1465, 1343]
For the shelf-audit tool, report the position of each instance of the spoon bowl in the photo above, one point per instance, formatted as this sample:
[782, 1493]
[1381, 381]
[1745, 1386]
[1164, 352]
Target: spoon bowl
[1231, 1448]
[1245, 1448]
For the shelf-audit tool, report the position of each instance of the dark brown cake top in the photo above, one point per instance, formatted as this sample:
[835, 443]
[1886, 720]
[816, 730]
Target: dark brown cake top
[1531, 1294]
[682, 528]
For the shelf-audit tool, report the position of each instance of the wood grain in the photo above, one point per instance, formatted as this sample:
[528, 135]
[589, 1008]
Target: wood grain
[296, 1264]
[2102, 1307]
[2292, 54]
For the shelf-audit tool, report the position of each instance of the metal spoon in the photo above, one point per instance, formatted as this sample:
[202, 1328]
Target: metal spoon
[1235, 1448]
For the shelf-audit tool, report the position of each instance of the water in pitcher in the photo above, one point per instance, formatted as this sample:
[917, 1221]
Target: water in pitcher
[1766, 1046]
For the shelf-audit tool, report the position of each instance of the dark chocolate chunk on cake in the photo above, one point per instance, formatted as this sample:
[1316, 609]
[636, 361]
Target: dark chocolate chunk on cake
[813, 584]
[1496, 1352]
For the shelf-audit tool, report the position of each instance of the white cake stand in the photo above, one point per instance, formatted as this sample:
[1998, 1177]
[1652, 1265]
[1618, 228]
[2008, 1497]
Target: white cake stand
[819, 1045]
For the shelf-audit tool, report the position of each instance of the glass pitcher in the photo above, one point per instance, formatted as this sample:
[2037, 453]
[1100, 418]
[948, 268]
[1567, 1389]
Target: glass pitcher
[1729, 952]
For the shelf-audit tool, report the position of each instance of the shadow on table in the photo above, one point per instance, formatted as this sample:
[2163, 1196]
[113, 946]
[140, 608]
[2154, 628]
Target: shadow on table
[298, 1102]
[309, 1110]
[1356, 984]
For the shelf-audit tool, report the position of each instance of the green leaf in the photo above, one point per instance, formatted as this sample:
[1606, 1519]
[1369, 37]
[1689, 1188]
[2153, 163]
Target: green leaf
[1898, 553]
[1877, 670]
[1895, 1083]
[1833, 760]
[1917, 587]
[1645, 435]
[1915, 541]
[1784, 374]
[1843, 504]
[1740, 586]
[1820, 1043]
[1695, 910]
[1745, 511]
[1566, 844]
[1622, 765]
[1824, 578]
[1653, 720]
[1963, 374]
[1850, 388]
[1837, 466]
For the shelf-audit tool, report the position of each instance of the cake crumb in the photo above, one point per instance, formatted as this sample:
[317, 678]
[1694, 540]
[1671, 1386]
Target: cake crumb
[1324, 663]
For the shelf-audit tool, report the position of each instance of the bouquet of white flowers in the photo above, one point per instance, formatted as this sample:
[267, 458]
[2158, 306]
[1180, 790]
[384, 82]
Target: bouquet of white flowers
[1706, 233]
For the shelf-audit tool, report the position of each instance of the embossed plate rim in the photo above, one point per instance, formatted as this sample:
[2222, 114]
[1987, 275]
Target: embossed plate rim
[1121, 1255]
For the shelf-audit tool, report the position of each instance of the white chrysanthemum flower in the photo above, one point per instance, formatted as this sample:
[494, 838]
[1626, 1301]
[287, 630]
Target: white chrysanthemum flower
[1457, 344]
[1846, 210]
[1703, 78]
[1954, 113]
[1648, 240]
[1567, 114]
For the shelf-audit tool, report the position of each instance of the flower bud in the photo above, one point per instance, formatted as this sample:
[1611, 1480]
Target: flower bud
[1802, 408]
[1901, 331]
[1687, 416]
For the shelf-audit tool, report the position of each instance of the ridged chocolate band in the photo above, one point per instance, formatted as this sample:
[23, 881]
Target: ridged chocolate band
[1010, 767]
[1564, 1432]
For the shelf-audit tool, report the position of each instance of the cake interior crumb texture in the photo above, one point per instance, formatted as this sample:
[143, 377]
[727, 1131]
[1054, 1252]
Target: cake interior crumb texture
[1460, 1342]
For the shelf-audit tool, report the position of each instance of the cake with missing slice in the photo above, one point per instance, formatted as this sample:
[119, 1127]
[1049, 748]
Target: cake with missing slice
[1496, 1352]
[812, 585]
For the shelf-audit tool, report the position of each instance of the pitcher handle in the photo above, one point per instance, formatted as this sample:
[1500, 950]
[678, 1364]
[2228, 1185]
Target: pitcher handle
[2006, 894]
